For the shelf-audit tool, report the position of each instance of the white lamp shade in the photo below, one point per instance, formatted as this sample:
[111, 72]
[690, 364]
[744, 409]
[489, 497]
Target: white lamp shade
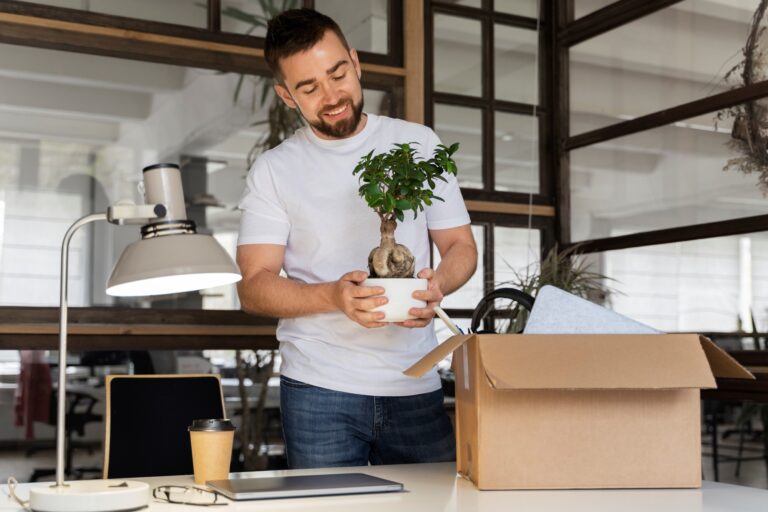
[171, 264]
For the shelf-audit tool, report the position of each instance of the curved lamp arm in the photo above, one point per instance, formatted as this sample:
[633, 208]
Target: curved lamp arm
[118, 214]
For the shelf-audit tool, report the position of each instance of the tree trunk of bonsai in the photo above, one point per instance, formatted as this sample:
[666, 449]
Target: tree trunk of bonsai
[390, 259]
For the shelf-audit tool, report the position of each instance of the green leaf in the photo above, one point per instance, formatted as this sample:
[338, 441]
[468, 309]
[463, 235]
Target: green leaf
[389, 202]
[402, 204]
[265, 90]
[399, 179]
[238, 87]
[240, 15]
[268, 8]
[372, 190]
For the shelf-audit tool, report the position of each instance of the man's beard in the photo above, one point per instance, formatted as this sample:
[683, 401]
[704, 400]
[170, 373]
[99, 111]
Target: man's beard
[343, 128]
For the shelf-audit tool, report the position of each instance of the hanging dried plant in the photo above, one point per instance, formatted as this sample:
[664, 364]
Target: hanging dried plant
[749, 136]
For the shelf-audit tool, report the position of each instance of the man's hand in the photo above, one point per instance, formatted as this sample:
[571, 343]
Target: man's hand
[432, 296]
[357, 301]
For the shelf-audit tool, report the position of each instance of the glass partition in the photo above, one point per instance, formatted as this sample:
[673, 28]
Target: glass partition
[711, 285]
[662, 178]
[75, 132]
[584, 7]
[517, 152]
[365, 27]
[191, 13]
[516, 253]
[673, 56]
[514, 53]
[518, 7]
[463, 125]
[470, 294]
[457, 55]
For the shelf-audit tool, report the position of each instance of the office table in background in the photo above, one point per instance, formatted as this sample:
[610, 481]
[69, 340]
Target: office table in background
[435, 487]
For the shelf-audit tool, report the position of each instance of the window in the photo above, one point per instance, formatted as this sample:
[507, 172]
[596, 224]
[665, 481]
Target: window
[670, 57]
[710, 285]
[665, 177]
[61, 160]
[191, 13]
[465, 126]
[483, 83]
[648, 192]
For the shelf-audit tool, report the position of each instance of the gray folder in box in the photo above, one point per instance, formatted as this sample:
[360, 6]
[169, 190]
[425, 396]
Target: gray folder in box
[558, 312]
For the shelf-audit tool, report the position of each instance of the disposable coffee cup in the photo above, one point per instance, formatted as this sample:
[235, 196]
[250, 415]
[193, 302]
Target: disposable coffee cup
[211, 448]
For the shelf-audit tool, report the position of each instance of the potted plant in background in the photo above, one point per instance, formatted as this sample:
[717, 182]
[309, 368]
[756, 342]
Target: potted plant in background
[393, 183]
[256, 366]
[565, 269]
[501, 310]
[281, 121]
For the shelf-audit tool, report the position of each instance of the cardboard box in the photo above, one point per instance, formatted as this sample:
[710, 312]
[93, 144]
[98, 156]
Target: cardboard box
[580, 411]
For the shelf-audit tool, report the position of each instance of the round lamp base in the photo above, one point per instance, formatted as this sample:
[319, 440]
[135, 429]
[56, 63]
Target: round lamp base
[90, 496]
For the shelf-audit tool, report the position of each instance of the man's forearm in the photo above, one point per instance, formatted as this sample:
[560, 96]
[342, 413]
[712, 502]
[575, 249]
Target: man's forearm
[456, 267]
[269, 294]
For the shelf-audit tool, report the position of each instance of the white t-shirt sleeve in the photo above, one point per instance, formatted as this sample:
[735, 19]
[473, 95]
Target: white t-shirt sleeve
[264, 219]
[451, 211]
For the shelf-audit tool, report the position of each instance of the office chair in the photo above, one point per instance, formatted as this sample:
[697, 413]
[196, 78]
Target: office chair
[147, 418]
[486, 311]
[79, 413]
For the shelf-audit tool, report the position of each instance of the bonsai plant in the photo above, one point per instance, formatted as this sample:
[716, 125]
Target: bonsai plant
[393, 183]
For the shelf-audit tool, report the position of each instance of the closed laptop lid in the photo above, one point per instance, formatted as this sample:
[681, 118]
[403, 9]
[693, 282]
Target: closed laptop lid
[302, 485]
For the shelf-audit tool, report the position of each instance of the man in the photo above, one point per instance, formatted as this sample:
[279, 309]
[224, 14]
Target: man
[344, 399]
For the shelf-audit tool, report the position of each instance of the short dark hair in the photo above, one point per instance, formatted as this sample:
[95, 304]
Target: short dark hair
[294, 31]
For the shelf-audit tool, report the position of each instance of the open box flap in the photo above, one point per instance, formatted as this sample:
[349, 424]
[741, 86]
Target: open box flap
[722, 364]
[439, 353]
[603, 361]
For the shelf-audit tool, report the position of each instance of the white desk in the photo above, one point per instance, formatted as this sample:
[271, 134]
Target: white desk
[435, 487]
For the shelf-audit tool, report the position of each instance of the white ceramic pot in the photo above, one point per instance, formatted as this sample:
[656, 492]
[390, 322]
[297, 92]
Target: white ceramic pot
[399, 292]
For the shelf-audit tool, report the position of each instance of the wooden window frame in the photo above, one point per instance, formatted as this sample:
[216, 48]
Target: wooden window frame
[569, 33]
[57, 28]
[61, 28]
[488, 206]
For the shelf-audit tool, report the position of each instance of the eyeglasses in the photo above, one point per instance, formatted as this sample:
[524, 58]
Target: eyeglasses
[181, 495]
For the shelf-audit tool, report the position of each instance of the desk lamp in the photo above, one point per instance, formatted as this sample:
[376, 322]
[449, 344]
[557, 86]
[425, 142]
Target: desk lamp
[170, 257]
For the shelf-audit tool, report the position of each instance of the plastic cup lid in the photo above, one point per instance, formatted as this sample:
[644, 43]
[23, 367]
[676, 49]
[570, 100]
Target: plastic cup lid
[211, 425]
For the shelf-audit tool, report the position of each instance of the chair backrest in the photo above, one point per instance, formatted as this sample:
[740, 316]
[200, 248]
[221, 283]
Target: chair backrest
[486, 306]
[147, 418]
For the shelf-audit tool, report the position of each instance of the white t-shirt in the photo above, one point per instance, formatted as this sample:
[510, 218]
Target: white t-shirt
[303, 195]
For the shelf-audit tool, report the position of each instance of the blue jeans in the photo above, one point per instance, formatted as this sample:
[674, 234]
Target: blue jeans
[324, 428]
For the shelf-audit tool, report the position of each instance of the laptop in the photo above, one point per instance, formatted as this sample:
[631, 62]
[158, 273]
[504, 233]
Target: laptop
[556, 311]
[301, 486]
